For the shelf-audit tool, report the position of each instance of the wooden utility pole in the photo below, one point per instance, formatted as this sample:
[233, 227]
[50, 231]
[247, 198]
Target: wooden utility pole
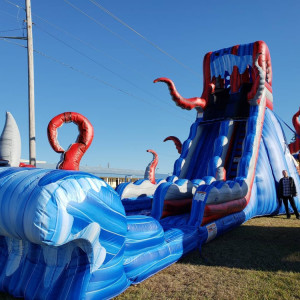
[32, 141]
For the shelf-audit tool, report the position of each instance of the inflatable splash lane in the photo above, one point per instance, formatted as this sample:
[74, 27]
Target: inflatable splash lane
[66, 234]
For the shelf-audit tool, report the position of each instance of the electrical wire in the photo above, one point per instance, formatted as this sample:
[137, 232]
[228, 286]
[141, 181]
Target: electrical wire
[10, 30]
[89, 76]
[99, 80]
[14, 37]
[8, 14]
[14, 43]
[94, 48]
[14, 4]
[91, 59]
[109, 30]
[131, 68]
[120, 37]
[83, 54]
[291, 129]
[78, 39]
[99, 64]
[114, 33]
[144, 38]
[18, 13]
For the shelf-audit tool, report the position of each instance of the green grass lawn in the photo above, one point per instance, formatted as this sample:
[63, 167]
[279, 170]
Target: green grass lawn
[258, 260]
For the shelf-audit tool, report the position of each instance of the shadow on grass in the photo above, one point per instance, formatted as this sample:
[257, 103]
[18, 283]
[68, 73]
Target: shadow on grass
[252, 247]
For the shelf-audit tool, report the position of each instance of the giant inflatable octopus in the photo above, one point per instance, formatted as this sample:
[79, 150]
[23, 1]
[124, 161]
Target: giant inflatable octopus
[66, 234]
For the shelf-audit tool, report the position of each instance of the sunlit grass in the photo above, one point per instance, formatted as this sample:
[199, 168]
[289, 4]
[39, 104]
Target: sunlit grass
[258, 260]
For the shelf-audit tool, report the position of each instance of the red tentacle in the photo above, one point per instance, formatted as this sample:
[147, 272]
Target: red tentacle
[296, 122]
[295, 146]
[23, 165]
[150, 171]
[75, 152]
[178, 99]
[55, 123]
[176, 141]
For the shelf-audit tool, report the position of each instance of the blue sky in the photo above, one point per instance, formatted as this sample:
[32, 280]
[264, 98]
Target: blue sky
[80, 49]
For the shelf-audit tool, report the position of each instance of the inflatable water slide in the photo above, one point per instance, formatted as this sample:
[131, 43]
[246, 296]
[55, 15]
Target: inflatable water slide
[68, 235]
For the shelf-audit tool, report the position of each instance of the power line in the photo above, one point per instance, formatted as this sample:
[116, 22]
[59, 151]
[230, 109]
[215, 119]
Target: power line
[89, 76]
[291, 129]
[8, 14]
[97, 79]
[10, 30]
[83, 54]
[92, 47]
[14, 37]
[74, 69]
[77, 38]
[19, 8]
[131, 68]
[91, 59]
[14, 43]
[127, 26]
[114, 33]
[14, 4]
[144, 38]
[109, 30]
[98, 63]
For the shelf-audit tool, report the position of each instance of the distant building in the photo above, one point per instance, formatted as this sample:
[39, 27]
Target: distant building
[112, 176]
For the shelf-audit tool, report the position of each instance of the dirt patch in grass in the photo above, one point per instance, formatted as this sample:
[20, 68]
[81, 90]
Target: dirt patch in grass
[258, 260]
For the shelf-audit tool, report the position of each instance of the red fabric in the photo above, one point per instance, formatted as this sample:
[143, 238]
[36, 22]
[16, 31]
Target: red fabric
[296, 122]
[176, 141]
[153, 165]
[182, 102]
[235, 49]
[295, 146]
[23, 165]
[174, 207]
[235, 80]
[75, 152]
[260, 51]
[216, 211]
[245, 77]
[212, 212]
[206, 77]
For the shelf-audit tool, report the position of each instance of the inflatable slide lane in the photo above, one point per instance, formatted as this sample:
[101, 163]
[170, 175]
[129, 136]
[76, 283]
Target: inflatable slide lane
[66, 234]
[236, 150]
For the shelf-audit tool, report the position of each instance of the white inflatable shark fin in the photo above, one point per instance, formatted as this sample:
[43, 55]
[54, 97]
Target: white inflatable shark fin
[10, 143]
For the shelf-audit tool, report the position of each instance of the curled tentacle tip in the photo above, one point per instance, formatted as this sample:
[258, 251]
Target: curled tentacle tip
[152, 151]
[161, 79]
